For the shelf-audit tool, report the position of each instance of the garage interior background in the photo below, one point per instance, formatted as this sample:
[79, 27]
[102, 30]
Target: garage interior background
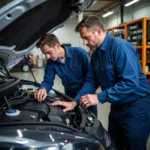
[67, 34]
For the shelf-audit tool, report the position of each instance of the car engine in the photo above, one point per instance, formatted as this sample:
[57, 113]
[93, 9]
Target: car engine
[18, 106]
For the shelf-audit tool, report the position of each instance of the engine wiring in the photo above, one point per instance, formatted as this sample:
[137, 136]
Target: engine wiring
[15, 100]
[19, 97]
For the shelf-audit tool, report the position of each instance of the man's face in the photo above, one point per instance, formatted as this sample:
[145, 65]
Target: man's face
[51, 53]
[91, 37]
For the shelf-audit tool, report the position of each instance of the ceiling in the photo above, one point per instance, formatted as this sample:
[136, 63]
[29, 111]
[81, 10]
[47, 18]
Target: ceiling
[101, 6]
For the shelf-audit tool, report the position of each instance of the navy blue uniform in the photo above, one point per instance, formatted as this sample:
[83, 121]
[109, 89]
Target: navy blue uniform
[115, 67]
[72, 72]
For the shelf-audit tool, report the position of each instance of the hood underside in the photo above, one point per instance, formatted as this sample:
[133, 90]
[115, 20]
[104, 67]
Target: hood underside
[27, 28]
[23, 22]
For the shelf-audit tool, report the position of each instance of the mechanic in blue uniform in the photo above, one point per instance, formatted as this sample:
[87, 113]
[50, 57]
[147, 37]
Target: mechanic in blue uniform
[71, 64]
[115, 67]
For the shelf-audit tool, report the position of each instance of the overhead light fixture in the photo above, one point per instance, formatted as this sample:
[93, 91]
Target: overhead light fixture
[107, 14]
[130, 3]
[94, 2]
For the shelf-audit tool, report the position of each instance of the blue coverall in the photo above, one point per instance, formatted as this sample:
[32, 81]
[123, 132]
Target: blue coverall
[115, 67]
[72, 73]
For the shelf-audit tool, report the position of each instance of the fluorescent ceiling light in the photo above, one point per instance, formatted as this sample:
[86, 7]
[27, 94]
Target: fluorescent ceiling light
[107, 14]
[94, 2]
[130, 3]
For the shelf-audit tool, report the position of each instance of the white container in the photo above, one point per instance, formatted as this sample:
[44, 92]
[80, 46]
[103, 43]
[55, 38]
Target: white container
[147, 68]
[40, 63]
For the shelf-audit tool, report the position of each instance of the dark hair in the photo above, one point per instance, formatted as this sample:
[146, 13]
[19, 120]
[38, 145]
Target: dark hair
[89, 22]
[49, 39]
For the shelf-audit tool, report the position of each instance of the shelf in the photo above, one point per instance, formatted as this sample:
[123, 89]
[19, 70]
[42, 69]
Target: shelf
[135, 30]
[134, 34]
[148, 61]
[147, 73]
[135, 21]
[122, 26]
[138, 47]
[109, 29]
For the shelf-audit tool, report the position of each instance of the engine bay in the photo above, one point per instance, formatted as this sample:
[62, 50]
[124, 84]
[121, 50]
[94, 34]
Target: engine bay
[19, 106]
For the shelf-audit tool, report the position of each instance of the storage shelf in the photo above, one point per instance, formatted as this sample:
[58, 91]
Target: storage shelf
[138, 47]
[142, 28]
[135, 21]
[148, 61]
[147, 73]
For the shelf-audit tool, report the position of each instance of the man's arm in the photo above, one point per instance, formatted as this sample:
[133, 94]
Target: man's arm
[47, 83]
[89, 87]
[49, 77]
[90, 84]
[126, 66]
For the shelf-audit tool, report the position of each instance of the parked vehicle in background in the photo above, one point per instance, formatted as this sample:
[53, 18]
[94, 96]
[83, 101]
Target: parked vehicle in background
[24, 65]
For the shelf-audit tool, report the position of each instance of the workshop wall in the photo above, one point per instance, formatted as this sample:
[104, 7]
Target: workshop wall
[66, 35]
[133, 12]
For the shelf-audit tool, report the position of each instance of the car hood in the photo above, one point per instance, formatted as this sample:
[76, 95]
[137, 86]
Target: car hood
[23, 22]
[41, 138]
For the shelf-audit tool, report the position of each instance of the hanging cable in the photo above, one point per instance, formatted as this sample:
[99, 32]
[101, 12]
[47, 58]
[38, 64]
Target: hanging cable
[30, 69]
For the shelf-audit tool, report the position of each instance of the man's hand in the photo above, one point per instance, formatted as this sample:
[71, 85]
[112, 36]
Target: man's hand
[89, 100]
[40, 95]
[68, 105]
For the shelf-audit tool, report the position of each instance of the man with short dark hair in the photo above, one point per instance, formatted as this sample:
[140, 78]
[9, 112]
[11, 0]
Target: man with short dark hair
[115, 67]
[71, 64]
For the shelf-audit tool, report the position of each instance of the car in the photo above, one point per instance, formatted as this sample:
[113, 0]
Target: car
[25, 123]
[24, 65]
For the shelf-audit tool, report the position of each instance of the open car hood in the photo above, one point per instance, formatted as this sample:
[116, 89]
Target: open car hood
[23, 22]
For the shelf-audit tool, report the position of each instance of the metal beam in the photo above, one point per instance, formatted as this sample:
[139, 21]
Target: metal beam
[91, 11]
[106, 7]
[121, 11]
[104, 0]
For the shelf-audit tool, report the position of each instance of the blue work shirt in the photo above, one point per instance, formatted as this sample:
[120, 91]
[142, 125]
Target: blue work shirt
[115, 67]
[72, 73]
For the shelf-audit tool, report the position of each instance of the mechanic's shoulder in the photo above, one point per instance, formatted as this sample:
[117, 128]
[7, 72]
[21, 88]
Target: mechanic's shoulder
[49, 63]
[118, 42]
[79, 50]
